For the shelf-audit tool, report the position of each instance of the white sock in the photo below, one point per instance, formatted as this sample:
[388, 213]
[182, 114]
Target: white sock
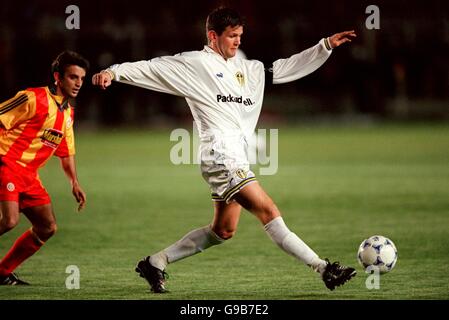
[293, 245]
[193, 242]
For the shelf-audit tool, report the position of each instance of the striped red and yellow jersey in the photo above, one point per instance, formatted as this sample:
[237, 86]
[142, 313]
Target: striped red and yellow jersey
[33, 128]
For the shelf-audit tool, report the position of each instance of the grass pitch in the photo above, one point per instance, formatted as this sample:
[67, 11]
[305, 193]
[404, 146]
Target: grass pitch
[335, 187]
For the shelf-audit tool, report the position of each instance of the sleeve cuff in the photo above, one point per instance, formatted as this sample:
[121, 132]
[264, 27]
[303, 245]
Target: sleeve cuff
[110, 72]
[327, 44]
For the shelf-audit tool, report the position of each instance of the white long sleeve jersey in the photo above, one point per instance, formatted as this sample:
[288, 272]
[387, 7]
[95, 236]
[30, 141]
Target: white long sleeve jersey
[224, 96]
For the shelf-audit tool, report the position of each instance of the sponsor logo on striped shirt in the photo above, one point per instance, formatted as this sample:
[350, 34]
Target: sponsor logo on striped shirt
[52, 138]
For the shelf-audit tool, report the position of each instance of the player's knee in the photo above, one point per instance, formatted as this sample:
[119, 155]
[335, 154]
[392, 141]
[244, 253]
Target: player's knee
[8, 223]
[52, 229]
[225, 234]
[46, 232]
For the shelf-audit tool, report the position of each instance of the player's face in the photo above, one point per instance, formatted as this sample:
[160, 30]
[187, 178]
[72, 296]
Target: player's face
[229, 41]
[70, 83]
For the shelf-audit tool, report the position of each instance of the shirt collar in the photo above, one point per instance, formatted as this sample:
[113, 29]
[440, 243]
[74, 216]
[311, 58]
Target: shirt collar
[210, 50]
[59, 100]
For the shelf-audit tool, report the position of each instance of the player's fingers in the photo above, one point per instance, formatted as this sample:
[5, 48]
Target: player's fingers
[81, 200]
[79, 195]
[82, 197]
[105, 82]
[346, 34]
[351, 34]
[96, 79]
[102, 83]
[99, 79]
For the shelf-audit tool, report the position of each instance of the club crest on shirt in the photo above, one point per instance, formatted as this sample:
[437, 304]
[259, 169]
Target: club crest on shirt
[52, 138]
[10, 187]
[240, 78]
[241, 174]
[69, 122]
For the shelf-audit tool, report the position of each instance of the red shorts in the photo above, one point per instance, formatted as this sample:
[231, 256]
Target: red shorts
[22, 186]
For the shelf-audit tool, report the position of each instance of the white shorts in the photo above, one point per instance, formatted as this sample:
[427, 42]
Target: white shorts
[225, 166]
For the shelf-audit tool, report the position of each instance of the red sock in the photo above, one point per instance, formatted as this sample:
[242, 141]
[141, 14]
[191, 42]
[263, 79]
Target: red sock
[24, 247]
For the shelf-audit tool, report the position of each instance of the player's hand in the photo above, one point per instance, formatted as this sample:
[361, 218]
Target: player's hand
[340, 38]
[102, 79]
[79, 195]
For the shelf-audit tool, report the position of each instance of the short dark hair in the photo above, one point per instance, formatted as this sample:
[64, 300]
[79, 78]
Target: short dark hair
[222, 17]
[68, 58]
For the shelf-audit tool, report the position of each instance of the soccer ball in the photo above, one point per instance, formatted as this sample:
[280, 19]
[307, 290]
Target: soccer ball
[377, 252]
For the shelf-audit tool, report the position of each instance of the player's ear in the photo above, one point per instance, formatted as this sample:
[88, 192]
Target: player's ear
[56, 76]
[212, 35]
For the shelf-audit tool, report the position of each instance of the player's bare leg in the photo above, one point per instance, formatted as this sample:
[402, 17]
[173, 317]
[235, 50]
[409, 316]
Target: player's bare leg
[43, 220]
[226, 219]
[9, 215]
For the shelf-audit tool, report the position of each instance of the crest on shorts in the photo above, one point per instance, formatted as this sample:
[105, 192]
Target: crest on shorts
[241, 174]
[240, 78]
[10, 187]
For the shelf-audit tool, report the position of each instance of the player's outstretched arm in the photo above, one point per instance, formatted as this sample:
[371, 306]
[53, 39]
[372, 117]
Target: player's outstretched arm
[341, 37]
[102, 79]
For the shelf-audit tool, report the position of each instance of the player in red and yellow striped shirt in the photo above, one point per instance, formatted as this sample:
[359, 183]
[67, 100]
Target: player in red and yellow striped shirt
[34, 125]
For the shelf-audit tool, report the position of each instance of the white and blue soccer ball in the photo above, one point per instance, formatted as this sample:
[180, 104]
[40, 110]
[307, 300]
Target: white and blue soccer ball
[377, 252]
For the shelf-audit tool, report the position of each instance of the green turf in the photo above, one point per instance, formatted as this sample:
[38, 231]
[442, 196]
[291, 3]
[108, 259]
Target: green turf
[335, 186]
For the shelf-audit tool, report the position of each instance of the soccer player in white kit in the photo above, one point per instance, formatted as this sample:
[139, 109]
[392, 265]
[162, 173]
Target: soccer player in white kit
[225, 94]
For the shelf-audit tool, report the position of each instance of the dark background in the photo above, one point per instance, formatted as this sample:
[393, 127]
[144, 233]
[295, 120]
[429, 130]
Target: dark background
[399, 72]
